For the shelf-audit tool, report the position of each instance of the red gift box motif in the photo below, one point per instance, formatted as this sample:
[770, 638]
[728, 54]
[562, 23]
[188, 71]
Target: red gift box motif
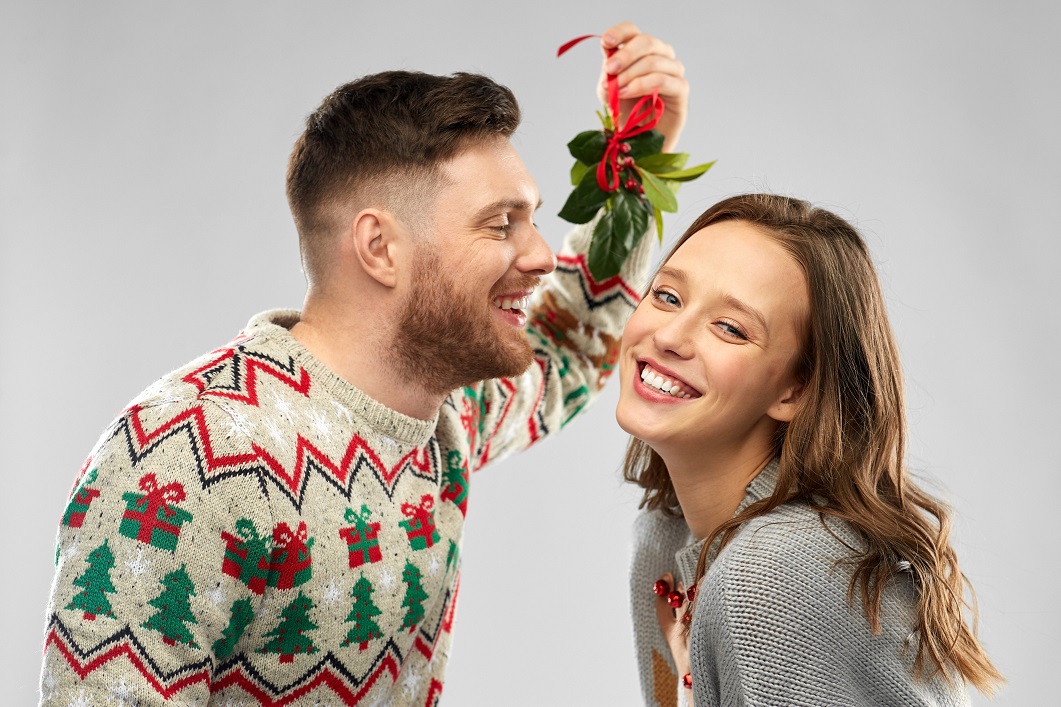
[290, 563]
[76, 509]
[153, 517]
[420, 523]
[247, 555]
[362, 538]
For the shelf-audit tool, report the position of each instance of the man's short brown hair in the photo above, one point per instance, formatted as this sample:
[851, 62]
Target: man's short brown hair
[384, 137]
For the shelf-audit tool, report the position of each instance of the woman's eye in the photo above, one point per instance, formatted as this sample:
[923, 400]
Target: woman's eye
[665, 297]
[731, 330]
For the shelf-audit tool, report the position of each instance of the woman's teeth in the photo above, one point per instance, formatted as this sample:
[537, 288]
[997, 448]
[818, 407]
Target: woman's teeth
[513, 302]
[666, 385]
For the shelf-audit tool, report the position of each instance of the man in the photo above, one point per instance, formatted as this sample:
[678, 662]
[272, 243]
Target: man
[279, 521]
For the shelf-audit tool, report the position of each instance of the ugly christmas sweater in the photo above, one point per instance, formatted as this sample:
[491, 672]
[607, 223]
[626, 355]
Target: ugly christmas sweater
[254, 530]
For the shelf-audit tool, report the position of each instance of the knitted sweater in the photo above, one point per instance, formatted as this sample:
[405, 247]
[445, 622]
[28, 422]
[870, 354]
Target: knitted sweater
[772, 624]
[254, 530]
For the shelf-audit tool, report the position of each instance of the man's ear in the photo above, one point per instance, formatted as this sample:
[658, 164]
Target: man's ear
[375, 239]
[785, 408]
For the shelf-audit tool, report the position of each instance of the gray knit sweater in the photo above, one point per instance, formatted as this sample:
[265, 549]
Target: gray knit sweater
[772, 624]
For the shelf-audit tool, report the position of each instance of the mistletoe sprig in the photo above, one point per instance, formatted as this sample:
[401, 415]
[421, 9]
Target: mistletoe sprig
[623, 170]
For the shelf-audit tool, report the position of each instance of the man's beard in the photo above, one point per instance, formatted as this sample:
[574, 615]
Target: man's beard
[447, 337]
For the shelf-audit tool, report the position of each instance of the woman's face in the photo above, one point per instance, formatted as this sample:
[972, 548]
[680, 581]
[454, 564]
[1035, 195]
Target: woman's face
[709, 357]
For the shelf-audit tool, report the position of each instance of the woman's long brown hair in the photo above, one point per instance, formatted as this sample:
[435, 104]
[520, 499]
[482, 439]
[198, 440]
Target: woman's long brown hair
[844, 452]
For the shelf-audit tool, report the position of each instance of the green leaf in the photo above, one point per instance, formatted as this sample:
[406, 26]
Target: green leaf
[585, 201]
[643, 145]
[659, 222]
[578, 171]
[664, 162]
[605, 119]
[687, 175]
[657, 192]
[588, 146]
[616, 234]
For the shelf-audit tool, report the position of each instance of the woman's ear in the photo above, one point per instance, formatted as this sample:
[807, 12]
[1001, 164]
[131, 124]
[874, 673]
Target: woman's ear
[785, 408]
[373, 239]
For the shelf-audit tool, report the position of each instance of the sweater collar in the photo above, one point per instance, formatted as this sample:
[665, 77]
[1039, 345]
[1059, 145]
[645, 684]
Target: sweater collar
[275, 326]
[759, 488]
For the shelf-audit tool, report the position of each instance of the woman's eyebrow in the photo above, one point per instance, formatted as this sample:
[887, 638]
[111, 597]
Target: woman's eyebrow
[746, 308]
[731, 300]
[674, 273]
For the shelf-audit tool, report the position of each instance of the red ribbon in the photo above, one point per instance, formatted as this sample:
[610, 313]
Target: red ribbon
[162, 496]
[644, 116]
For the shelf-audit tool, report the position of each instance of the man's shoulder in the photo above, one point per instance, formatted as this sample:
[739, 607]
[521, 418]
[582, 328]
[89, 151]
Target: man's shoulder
[227, 373]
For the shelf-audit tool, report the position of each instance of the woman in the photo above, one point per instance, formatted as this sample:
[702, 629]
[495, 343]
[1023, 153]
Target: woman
[761, 383]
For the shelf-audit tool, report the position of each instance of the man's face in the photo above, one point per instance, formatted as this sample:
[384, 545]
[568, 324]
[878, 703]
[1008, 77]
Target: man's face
[475, 269]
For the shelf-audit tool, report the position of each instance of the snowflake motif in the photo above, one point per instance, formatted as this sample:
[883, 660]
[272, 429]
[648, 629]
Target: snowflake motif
[389, 444]
[72, 549]
[341, 411]
[217, 595]
[333, 592]
[383, 698]
[282, 405]
[386, 579]
[49, 684]
[320, 423]
[434, 564]
[411, 683]
[138, 565]
[81, 700]
[277, 434]
[121, 694]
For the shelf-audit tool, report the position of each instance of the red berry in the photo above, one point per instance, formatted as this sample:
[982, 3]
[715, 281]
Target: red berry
[661, 588]
[675, 599]
[632, 185]
[624, 147]
[691, 592]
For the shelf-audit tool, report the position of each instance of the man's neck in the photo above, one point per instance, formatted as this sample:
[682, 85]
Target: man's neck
[355, 351]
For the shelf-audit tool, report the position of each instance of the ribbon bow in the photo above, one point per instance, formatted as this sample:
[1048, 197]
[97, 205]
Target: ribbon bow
[426, 504]
[162, 496]
[644, 116]
[353, 516]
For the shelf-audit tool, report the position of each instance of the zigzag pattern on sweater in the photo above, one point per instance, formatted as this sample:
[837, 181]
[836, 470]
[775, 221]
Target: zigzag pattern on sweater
[615, 287]
[328, 672]
[211, 469]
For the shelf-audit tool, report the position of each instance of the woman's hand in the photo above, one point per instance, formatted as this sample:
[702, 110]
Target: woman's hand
[670, 623]
[643, 63]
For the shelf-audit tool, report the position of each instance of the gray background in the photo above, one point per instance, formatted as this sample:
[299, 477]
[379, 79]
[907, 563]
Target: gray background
[143, 221]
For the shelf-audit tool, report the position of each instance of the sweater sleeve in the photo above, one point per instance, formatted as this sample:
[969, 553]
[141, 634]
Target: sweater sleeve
[574, 328]
[774, 627]
[138, 613]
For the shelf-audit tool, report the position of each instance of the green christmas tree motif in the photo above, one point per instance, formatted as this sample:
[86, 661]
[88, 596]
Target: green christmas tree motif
[242, 615]
[173, 609]
[365, 629]
[289, 636]
[97, 584]
[455, 481]
[414, 596]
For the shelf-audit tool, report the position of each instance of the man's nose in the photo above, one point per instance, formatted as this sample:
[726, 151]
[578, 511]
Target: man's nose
[536, 258]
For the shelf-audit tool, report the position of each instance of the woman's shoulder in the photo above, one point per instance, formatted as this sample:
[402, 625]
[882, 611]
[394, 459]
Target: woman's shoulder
[796, 553]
